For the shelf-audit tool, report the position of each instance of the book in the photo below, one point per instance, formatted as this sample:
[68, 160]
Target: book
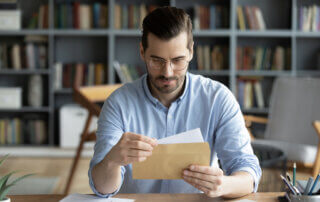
[143, 14]
[200, 57]
[91, 74]
[241, 20]
[248, 98]
[259, 18]
[125, 69]
[99, 74]
[85, 16]
[103, 18]
[15, 57]
[121, 74]
[58, 76]
[258, 94]
[117, 16]
[206, 57]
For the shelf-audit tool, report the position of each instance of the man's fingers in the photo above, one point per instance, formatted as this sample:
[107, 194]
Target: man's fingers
[206, 191]
[209, 178]
[206, 170]
[198, 181]
[138, 153]
[134, 144]
[138, 137]
[131, 159]
[215, 192]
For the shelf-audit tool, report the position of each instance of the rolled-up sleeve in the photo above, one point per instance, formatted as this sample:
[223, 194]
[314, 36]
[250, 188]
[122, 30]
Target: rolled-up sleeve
[109, 132]
[232, 140]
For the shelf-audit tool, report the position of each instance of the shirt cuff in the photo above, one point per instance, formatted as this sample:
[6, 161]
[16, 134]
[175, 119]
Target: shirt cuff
[253, 173]
[96, 191]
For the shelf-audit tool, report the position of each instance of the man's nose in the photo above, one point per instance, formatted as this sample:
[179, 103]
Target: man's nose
[167, 70]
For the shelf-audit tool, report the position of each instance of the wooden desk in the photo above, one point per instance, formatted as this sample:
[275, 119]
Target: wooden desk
[267, 196]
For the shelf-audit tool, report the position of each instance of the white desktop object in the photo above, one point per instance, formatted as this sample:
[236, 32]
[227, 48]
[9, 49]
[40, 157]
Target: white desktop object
[72, 121]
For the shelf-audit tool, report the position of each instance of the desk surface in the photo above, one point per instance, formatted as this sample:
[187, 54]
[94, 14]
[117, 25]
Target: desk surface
[267, 196]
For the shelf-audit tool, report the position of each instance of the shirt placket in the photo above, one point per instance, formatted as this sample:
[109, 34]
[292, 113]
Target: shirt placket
[169, 132]
[170, 120]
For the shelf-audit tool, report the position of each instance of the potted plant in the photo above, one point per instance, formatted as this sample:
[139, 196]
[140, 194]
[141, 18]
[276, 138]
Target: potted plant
[4, 183]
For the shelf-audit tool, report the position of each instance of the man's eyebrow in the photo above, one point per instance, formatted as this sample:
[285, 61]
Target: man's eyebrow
[178, 57]
[154, 56]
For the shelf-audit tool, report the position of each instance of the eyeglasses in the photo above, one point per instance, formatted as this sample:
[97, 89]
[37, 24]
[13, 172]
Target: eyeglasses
[176, 64]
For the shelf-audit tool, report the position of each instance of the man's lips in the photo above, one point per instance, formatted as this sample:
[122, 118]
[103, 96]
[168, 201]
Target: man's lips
[166, 81]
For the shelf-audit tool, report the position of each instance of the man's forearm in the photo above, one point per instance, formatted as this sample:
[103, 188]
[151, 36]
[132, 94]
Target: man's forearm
[238, 184]
[106, 177]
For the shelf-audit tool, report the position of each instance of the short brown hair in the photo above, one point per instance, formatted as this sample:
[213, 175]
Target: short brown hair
[166, 22]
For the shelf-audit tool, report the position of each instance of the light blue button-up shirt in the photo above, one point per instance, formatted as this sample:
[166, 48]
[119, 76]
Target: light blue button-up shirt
[204, 104]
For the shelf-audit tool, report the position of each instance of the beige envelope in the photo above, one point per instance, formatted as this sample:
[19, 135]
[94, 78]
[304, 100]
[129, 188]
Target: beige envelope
[168, 160]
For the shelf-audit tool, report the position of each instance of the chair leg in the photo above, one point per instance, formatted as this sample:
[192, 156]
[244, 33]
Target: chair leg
[316, 165]
[74, 166]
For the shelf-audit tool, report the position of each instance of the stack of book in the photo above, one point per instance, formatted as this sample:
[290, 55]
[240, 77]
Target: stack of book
[263, 58]
[32, 54]
[86, 74]
[10, 15]
[209, 17]
[250, 17]
[128, 73]
[81, 16]
[130, 16]
[309, 18]
[40, 19]
[250, 93]
[16, 131]
[211, 57]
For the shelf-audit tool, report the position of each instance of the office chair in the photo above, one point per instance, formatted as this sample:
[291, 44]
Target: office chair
[88, 97]
[294, 106]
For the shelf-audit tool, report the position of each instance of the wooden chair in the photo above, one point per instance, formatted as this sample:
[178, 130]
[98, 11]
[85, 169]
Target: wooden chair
[316, 167]
[88, 97]
[291, 112]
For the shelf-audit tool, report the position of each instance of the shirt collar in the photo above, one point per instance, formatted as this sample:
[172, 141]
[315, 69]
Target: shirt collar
[154, 100]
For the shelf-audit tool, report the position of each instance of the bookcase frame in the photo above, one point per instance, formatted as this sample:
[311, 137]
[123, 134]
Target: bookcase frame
[112, 38]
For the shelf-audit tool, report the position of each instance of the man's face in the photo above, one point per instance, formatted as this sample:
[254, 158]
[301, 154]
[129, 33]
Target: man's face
[166, 79]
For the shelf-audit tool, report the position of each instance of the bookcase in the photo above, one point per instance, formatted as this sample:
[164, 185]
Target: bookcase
[108, 44]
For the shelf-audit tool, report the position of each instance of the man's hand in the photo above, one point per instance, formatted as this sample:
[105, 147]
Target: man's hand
[205, 178]
[131, 148]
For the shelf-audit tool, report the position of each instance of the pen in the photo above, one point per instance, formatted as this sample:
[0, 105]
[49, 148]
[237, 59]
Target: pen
[297, 190]
[294, 173]
[306, 190]
[289, 185]
[288, 177]
[314, 184]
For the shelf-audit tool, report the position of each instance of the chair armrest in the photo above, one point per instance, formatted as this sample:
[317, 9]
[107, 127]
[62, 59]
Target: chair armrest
[249, 119]
[316, 125]
[255, 119]
[316, 165]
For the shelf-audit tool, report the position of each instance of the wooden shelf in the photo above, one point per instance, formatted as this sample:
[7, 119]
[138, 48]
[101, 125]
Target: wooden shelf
[24, 71]
[28, 109]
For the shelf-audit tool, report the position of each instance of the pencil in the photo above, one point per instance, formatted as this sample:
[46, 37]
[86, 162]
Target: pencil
[294, 174]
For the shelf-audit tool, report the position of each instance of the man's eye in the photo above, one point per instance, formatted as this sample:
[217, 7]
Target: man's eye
[177, 61]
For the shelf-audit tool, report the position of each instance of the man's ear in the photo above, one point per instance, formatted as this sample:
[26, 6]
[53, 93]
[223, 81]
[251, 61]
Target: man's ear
[142, 53]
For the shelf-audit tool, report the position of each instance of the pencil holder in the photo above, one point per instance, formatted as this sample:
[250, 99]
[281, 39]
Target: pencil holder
[304, 198]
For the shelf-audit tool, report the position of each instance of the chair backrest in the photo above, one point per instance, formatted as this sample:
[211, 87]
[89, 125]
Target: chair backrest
[294, 105]
[88, 96]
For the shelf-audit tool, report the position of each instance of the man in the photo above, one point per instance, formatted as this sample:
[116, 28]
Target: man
[166, 101]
